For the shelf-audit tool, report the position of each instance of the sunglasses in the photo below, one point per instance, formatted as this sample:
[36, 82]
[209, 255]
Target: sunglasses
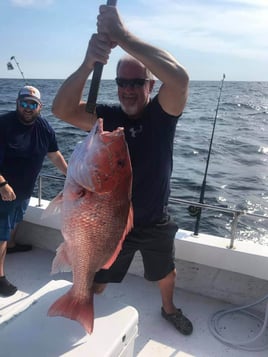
[133, 83]
[31, 106]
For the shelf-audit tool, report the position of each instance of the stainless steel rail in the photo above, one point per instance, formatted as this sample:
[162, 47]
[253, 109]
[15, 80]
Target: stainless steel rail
[236, 213]
[40, 181]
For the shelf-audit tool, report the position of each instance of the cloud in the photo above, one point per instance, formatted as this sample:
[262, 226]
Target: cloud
[237, 27]
[31, 3]
[254, 3]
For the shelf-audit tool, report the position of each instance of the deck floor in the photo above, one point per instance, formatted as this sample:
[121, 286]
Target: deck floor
[30, 271]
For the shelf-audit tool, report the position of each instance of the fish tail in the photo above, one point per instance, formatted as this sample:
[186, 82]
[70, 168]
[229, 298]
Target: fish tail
[70, 307]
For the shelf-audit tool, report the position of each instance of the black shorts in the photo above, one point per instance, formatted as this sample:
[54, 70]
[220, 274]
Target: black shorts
[156, 245]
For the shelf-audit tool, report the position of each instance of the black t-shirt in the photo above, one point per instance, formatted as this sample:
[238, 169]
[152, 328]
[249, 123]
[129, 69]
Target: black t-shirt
[150, 142]
[22, 151]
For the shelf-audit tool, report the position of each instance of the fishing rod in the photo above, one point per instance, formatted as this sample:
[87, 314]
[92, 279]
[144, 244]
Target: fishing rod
[10, 67]
[196, 211]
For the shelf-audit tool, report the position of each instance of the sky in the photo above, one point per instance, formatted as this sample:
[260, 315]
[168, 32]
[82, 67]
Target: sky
[48, 38]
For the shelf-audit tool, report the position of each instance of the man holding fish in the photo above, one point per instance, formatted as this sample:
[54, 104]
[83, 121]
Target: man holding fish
[149, 127]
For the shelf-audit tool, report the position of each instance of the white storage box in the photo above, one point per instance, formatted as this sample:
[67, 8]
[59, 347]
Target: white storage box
[28, 331]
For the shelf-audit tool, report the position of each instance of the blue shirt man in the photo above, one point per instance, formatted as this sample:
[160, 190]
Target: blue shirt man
[25, 139]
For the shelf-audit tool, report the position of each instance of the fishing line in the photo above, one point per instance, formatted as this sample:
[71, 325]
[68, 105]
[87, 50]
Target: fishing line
[196, 211]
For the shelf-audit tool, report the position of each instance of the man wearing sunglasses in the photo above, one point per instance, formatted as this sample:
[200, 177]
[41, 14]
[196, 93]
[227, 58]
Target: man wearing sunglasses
[149, 126]
[25, 139]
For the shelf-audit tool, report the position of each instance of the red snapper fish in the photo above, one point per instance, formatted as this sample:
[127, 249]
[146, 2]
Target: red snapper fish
[96, 215]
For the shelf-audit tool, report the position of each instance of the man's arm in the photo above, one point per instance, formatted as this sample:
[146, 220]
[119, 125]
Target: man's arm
[68, 104]
[58, 160]
[174, 90]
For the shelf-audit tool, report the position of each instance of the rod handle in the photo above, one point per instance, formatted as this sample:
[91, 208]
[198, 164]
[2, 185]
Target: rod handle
[96, 78]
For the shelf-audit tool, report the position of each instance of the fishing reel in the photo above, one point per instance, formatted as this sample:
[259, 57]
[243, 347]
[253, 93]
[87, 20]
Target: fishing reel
[194, 211]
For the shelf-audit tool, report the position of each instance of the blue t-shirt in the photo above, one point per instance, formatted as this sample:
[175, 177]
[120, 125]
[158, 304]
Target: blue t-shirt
[22, 151]
[150, 142]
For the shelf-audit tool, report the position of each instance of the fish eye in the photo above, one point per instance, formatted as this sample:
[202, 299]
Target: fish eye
[121, 163]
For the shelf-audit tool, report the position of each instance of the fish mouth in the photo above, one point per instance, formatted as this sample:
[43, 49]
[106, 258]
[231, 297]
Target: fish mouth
[99, 129]
[118, 131]
[107, 134]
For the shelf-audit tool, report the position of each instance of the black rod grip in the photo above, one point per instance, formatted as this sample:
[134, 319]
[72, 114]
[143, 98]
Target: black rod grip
[96, 78]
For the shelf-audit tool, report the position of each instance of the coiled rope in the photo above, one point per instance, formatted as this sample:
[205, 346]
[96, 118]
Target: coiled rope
[244, 345]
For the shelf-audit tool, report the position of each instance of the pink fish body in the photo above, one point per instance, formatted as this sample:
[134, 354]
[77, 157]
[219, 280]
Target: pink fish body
[96, 214]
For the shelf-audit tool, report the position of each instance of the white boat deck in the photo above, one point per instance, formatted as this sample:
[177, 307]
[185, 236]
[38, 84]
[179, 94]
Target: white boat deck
[30, 272]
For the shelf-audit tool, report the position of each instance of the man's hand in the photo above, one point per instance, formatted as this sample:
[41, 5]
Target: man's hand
[110, 23]
[7, 193]
[99, 49]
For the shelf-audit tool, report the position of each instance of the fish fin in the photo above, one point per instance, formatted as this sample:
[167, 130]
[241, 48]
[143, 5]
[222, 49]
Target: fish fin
[72, 308]
[54, 206]
[61, 262]
[128, 228]
[130, 219]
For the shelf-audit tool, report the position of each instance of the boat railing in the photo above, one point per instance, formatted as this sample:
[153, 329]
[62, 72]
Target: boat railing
[236, 213]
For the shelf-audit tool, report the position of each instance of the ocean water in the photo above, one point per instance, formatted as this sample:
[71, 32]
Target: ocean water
[237, 175]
